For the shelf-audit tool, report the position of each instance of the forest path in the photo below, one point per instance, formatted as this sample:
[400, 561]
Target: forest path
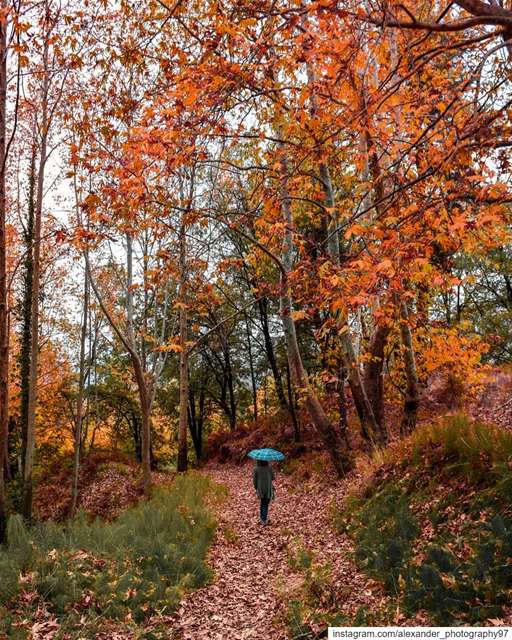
[252, 575]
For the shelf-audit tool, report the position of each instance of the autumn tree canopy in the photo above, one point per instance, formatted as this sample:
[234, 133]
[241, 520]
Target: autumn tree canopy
[214, 213]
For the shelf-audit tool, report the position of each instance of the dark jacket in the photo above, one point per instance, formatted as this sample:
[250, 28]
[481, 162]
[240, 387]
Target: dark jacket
[262, 478]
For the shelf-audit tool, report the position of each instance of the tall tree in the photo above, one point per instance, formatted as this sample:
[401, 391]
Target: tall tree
[4, 324]
[44, 126]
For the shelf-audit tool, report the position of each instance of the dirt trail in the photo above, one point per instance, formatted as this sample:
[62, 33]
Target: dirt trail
[245, 599]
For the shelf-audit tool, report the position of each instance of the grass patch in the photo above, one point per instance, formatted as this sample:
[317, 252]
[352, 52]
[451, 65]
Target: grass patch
[310, 607]
[130, 569]
[434, 522]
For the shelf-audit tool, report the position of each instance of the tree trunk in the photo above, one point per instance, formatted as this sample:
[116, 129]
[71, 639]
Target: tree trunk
[183, 420]
[342, 402]
[231, 390]
[4, 323]
[184, 354]
[146, 401]
[271, 356]
[369, 426]
[34, 331]
[10, 468]
[28, 285]
[373, 380]
[145, 404]
[251, 369]
[144, 386]
[412, 394]
[195, 421]
[200, 422]
[291, 405]
[80, 397]
[192, 422]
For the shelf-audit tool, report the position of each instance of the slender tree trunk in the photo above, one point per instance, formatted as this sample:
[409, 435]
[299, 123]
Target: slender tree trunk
[200, 422]
[342, 402]
[291, 405]
[133, 422]
[369, 426]
[80, 397]
[183, 419]
[143, 384]
[412, 394]
[11, 428]
[271, 356]
[184, 354]
[34, 331]
[4, 323]
[146, 401]
[231, 390]
[192, 422]
[251, 369]
[28, 285]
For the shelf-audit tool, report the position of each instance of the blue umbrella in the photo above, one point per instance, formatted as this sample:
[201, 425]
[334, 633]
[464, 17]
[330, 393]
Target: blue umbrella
[266, 454]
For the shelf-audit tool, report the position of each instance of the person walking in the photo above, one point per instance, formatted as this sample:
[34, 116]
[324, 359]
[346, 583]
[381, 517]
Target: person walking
[263, 478]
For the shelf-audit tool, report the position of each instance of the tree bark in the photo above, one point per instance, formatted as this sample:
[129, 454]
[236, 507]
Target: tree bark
[373, 374]
[251, 369]
[196, 420]
[271, 356]
[291, 405]
[231, 389]
[34, 330]
[80, 397]
[28, 285]
[182, 462]
[4, 322]
[145, 388]
[342, 402]
[412, 393]
[146, 401]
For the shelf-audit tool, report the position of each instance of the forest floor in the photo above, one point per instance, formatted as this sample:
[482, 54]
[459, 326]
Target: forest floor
[254, 579]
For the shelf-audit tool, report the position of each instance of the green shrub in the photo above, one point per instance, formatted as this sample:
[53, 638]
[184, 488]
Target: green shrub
[19, 545]
[9, 581]
[476, 449]
[464, 572]
[299, 557]
[383, 527]
[316, 593]
[140, 563]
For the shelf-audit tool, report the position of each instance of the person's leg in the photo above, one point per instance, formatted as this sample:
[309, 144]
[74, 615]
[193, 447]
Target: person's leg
[261, 509]
[264, 509]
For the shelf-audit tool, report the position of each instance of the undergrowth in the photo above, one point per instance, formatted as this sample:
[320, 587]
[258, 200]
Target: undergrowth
[130, 569]
[434, 523]
[309, 609]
